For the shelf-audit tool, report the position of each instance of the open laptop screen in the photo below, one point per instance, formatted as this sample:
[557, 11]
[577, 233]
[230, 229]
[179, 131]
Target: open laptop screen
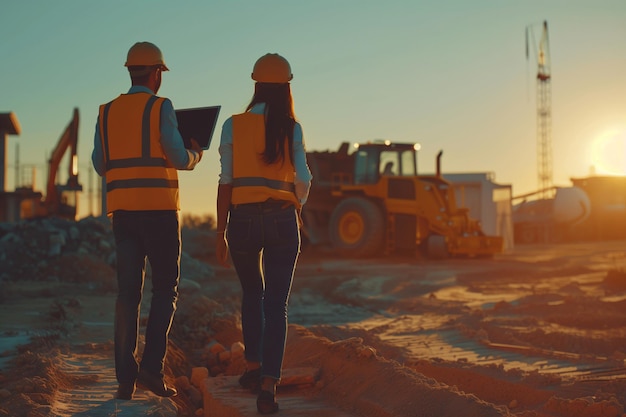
[198, 123]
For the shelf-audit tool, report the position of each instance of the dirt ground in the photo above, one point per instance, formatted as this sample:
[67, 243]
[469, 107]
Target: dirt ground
[539, 331]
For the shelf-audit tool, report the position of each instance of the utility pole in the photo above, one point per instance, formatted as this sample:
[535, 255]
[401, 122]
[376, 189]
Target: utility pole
[544, 109]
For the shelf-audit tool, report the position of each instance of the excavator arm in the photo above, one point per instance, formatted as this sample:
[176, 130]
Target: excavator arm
[68, 140]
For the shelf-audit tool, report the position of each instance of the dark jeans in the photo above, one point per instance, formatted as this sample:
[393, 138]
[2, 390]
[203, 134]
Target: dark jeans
[264, 243]
[141, 235]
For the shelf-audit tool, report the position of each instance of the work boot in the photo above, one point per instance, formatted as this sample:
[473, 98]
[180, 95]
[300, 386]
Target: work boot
[155, 384]
[125, 391]
[251, 380]
[266, 403]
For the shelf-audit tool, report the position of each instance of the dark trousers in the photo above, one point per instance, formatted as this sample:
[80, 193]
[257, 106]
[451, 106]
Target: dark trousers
[155, 236]
[264, 243]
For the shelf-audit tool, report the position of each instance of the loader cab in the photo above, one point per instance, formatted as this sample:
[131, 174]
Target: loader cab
[375, 160]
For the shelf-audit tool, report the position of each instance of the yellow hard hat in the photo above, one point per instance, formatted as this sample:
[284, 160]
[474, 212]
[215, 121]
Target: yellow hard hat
[145, 54]
[272, 68]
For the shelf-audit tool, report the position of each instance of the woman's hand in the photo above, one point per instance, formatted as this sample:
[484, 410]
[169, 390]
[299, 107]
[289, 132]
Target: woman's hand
[221, 250]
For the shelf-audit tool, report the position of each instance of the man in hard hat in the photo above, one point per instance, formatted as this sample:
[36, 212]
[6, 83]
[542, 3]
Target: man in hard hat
[138, 149]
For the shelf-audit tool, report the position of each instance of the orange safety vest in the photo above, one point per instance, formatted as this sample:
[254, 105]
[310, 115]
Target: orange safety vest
[138, 174]
[253, 180]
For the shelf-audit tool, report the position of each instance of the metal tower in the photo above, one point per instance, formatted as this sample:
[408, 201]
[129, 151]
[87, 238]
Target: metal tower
[544, 110]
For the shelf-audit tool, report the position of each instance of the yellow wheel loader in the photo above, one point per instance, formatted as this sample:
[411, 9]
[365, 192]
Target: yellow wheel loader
[372, 202]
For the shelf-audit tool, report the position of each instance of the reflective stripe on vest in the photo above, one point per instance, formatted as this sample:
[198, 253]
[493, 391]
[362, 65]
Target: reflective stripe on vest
[253, 180]
[264, 182]
[138, 174]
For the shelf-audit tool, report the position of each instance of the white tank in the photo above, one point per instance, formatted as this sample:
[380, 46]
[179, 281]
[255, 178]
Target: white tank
[571, 205]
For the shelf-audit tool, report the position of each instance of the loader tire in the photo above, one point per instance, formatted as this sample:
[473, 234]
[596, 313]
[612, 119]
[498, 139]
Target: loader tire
[357, 227]
[436, 247]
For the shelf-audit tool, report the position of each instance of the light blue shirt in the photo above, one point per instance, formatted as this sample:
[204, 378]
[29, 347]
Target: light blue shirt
[303, 175]
[171, 141]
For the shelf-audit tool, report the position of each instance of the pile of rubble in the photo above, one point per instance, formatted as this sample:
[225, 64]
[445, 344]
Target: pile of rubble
[30, 249]
[211, 332]
[63, 250]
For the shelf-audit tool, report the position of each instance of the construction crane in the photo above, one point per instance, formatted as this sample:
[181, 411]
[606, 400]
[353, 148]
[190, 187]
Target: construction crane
[544, 108]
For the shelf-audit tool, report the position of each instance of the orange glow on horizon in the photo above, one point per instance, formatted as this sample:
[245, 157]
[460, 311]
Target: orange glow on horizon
[608, 152]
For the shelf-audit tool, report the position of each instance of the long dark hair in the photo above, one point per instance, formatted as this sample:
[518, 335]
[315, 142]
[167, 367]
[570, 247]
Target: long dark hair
[279, 119]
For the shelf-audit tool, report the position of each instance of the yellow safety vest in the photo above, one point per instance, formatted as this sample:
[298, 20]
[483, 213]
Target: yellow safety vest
[253, 180]
[138, 174]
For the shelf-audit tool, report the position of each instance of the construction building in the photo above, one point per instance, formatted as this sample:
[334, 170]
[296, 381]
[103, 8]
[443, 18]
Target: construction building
[487, 201]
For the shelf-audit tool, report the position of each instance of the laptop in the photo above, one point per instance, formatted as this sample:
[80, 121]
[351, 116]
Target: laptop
[197, 123]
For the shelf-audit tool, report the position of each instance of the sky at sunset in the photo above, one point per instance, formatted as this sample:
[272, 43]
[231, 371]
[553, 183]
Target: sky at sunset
[451, 75]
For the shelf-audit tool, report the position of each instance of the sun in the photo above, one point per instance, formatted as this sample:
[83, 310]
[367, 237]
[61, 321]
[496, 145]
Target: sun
[608, 152]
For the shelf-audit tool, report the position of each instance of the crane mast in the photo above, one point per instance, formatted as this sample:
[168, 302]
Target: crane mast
[544, 110]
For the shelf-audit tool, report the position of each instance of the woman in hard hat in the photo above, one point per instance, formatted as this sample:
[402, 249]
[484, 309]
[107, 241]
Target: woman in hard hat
[263, 184]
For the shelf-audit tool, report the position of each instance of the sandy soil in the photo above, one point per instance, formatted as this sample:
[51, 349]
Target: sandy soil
[539, 331]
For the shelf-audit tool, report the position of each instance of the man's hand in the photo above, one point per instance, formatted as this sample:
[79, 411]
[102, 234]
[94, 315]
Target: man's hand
[196, 147]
